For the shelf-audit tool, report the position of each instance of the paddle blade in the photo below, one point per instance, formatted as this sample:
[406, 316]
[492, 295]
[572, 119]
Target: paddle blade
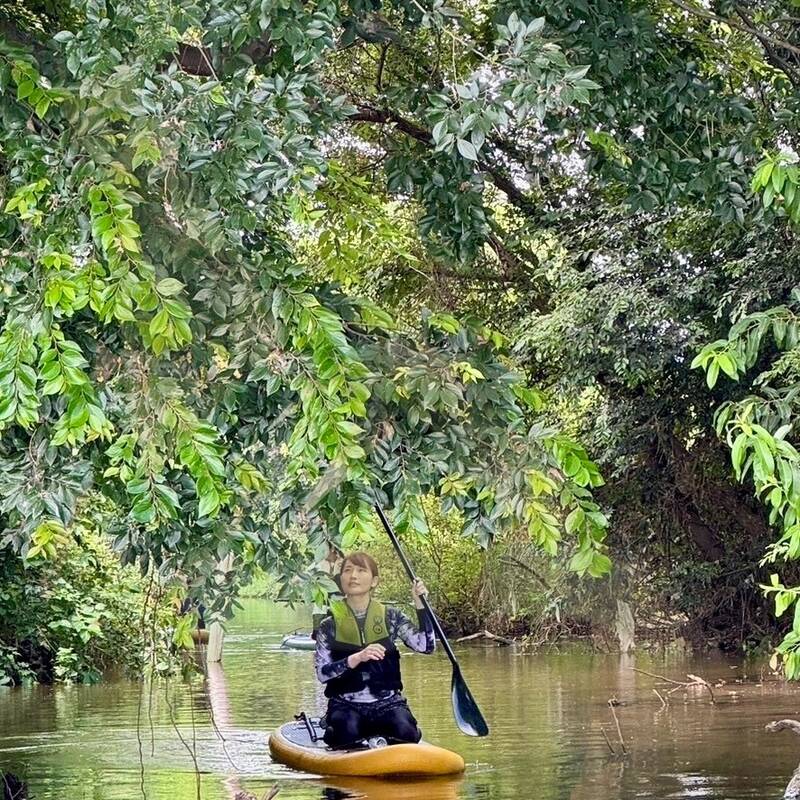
[468, 716]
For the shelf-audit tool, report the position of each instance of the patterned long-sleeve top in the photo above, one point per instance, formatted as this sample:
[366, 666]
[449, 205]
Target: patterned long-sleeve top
[418, 638]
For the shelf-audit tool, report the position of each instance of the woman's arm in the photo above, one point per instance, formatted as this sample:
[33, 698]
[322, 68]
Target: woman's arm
[418, 638]
[326, 667]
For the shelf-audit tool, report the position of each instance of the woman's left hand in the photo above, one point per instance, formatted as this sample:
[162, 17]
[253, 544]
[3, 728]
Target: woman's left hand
[418, 590]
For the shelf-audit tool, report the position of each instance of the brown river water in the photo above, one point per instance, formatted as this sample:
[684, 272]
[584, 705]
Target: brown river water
[547, 713]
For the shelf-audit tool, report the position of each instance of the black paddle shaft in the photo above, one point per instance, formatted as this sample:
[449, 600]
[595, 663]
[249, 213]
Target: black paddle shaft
[468, 715]
[412, 576]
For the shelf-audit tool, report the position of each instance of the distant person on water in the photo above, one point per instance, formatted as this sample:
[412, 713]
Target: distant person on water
[357, 660]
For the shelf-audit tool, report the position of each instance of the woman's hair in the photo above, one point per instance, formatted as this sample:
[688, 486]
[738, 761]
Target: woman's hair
[363, 560]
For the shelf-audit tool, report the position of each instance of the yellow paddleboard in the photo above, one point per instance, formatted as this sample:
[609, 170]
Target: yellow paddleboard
[291, 744]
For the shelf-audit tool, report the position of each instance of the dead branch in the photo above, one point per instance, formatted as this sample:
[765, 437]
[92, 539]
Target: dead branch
[694, 680]
[697, 680]
[487, 635]
[608, 741]
[660, 677]
[619, 729]
[268, 795]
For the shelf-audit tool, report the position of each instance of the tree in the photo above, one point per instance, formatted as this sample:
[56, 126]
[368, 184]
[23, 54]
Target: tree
[163, 338]
[626, 240]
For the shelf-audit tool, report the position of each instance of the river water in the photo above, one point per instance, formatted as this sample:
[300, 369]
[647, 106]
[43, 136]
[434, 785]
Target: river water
[547, 713]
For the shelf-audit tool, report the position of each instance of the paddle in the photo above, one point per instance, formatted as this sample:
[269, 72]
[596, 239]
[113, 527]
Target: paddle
[468, 716]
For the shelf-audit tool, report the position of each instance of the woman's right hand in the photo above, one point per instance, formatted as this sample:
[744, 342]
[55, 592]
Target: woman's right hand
[372, 652]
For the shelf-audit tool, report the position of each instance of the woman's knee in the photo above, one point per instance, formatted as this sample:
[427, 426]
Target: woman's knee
[403, 727]
[342, 727]
[408, 731]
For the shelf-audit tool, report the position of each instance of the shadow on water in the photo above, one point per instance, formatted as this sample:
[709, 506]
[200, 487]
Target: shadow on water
[545, 712]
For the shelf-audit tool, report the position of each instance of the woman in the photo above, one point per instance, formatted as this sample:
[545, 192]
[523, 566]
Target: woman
[358, 662]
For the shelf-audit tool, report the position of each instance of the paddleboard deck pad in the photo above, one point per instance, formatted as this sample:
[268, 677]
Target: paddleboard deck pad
[293, 745]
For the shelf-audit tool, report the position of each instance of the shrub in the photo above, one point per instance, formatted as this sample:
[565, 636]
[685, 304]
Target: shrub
[69, 615]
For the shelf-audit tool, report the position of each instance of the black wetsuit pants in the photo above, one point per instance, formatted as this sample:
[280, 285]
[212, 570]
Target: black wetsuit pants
[347, 723]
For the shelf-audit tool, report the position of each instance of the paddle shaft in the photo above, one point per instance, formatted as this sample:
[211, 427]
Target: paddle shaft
[412, 576]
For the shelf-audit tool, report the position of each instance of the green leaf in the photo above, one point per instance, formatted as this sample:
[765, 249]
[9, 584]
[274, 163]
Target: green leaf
[582, 560]
[782, 601]
[738, 452]
[24, 89]
[349, 428]
[600, 566]
[209, 504]
[727, 365]
[765, 456]
[41, 107]
[467, 149]
[699, 360]
[168, 287]
[575, 520]
[159, 323]
[712, 374]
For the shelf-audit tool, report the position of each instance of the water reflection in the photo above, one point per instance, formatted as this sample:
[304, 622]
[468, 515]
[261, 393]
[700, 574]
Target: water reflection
[375, 789]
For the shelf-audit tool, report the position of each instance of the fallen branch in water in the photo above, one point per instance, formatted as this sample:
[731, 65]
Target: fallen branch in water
[698, 681]
[268, 795]
[694, 680]
[608, 741]
[611, 705]
[792, 791]
[487, 635]
[661, 698]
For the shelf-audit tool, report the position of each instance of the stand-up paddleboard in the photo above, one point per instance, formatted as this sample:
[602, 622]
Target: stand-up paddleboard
[298, 641]
[292, 744]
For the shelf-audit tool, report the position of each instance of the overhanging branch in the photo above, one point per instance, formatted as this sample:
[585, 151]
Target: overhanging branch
[771, 53]
[762, 36]
[383, 116]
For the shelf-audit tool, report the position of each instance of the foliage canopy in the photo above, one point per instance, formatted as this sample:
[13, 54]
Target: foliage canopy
[165, 337]
[207, 208]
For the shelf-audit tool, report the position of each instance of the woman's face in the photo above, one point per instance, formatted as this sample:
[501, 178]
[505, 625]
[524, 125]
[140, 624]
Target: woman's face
[357, 580]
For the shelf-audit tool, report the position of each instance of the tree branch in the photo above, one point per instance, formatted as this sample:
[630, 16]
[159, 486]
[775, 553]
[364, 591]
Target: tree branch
[704, 14]
[380, 116]
[194, 60]
[515, 562]
[381, 65]
[198, 61]
[772, 55]
[475, 276]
